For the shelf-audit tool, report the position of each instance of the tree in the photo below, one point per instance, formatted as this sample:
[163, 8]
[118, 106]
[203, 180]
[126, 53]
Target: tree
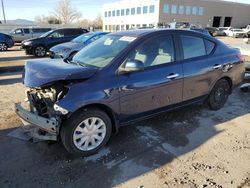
[97, 23]
[47, 19]
[65, 12]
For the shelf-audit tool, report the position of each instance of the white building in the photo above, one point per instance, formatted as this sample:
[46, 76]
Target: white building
[123, 15]
[126, 14]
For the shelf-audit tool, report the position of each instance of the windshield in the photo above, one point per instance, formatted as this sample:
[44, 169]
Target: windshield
[83, 38]
[46, 34]
[101, 52]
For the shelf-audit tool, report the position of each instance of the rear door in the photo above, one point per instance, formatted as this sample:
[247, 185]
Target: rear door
[200, 67]
[155, 88]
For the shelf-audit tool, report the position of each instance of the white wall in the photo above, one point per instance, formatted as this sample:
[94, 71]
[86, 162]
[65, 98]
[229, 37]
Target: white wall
[131, 20]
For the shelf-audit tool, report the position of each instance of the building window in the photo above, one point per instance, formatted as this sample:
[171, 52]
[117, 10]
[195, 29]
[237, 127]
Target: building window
[113, 13]
[166, 8]
[113, 27]
[138, 11]
[122, 27]
[117, 27]
[118, 13]
[145, 9]
[127, 11]
[181, 9]
[144, 25]
[174, 9]
[132, 11]
[201, 11]
[138, 25]
[127, 27]
[194, 10]
[151, 9]
[106, 14]
[122, 12]
[106, 27]
[188, 10]
[109, 13]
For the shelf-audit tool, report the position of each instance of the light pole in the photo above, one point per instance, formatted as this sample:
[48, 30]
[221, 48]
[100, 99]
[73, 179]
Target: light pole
[3, 12]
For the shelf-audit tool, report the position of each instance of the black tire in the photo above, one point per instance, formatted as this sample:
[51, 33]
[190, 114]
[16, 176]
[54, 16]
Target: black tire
[40, 51]
[219, 95]
[3, 46]
[69, 127]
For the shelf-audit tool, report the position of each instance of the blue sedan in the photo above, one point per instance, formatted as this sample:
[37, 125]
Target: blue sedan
[68, 49]
[6, 42]
[125, 77]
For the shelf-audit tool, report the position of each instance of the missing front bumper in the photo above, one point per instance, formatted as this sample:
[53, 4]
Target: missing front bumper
[37, 126]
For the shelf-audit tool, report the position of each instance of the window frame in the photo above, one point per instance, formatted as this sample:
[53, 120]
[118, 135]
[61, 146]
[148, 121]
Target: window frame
[181, 50]
[174, 44]
[151, 9]
[166, 8]
[174, 9]
[145, 9]
[138, 10]
[133, 12]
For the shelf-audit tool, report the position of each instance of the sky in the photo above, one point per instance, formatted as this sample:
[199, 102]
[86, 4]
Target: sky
[29, 9]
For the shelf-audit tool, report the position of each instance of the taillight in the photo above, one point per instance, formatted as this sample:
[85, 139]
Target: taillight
[241, 57]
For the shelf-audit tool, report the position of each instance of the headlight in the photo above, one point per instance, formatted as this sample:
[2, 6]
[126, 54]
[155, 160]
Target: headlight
[27, 43]
[60, 109]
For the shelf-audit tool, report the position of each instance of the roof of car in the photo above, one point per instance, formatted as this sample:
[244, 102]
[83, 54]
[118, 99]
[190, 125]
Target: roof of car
[142, 32]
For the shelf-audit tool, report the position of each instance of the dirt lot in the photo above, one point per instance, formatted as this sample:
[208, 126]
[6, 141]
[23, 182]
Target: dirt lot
[192, 147]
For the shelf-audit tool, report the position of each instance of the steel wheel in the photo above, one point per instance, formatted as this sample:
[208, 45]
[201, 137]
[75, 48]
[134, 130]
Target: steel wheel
[3, 47]
[40, 51]
[89, 134]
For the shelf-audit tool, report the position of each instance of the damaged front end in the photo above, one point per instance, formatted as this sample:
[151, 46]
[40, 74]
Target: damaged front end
[42, 118]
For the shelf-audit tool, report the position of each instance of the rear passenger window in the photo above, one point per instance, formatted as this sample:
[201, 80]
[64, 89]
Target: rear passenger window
[193, 47]
[26, 31]
[72, 32]
[209, 46]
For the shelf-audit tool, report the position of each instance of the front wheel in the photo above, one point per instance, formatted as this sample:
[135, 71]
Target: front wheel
[86, 132]
[3, 47]
[219, 95]
[40, 51]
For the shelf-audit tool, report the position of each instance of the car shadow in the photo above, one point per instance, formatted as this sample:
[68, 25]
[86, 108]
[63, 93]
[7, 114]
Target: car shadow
[134, 151]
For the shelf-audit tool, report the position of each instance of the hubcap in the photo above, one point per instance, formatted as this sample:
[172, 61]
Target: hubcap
[219, 95]
[3, 47]
[89, 134]
[40, 51]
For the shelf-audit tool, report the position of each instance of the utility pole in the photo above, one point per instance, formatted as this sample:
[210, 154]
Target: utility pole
[3, 12]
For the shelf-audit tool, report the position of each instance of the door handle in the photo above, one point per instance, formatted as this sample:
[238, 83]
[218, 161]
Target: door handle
[217, 66]
[172, 76]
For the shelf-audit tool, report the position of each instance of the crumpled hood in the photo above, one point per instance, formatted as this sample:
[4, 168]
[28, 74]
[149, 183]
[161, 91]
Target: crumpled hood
[44, 72]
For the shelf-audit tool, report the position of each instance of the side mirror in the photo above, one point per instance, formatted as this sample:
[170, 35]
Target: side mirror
[132, 66]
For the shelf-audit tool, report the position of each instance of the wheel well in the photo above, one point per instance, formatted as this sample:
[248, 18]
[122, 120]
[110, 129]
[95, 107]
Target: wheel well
[108, 111]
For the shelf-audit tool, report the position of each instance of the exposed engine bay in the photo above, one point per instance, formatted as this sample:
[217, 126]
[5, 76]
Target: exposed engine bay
[42, 100]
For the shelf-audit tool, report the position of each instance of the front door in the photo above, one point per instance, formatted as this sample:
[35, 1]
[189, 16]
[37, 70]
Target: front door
[158, 86]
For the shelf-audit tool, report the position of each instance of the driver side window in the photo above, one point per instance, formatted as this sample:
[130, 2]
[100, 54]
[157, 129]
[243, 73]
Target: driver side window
[155, 51]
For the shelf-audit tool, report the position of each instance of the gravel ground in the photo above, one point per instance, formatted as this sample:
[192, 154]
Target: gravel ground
[191, 147]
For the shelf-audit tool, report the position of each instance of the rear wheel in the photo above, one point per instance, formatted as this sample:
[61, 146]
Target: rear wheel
[3, 47]
[219, 95]
[86, 132]
[40, 51]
